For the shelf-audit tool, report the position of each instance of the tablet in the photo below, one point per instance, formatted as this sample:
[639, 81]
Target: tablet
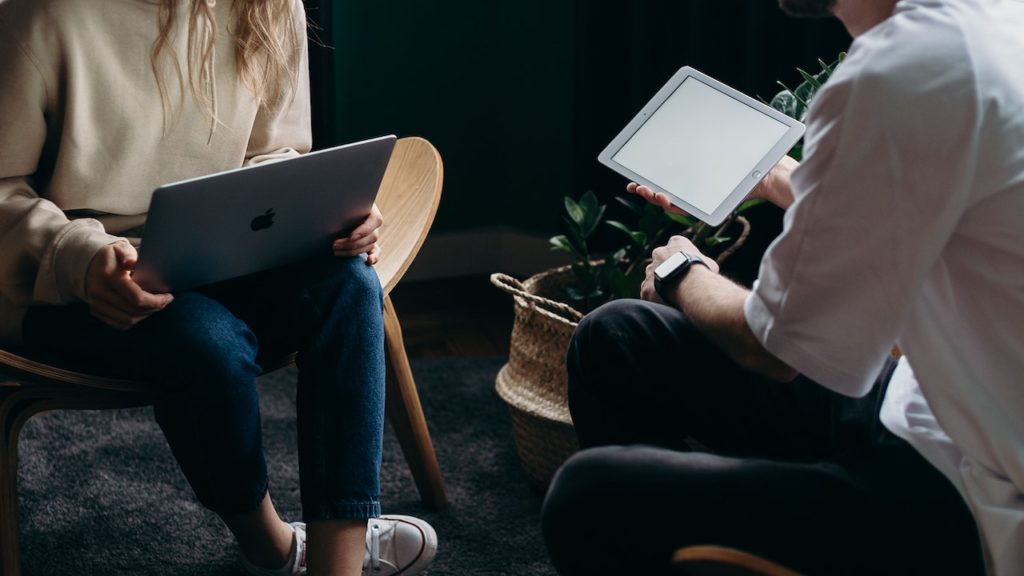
[703, 144]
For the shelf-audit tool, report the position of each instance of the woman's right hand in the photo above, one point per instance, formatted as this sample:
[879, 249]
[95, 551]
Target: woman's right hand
[113, 297]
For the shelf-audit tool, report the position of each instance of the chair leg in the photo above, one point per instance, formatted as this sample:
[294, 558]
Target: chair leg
[17, 404]
[406, 415]
[14, 411]
[10, 555]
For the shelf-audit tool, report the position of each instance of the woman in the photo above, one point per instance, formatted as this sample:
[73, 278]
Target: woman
[100, 103]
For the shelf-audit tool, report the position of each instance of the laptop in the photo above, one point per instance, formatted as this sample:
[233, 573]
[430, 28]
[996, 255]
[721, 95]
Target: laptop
[255, 218]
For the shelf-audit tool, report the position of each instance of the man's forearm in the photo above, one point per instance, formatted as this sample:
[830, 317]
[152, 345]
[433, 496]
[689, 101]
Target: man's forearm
[715, 305]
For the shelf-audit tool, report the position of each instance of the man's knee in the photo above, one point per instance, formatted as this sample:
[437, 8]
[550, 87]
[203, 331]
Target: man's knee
[580, 507]
[608, 333]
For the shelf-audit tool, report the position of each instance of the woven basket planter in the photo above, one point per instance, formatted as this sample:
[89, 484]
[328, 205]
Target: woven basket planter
[533, 382]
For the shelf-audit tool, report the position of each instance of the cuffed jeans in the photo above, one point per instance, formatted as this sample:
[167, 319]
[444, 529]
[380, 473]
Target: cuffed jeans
[682, 447]
[203, 353]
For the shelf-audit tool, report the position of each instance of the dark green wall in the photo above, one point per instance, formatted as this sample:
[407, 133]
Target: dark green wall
[519, 97]
[489, 83]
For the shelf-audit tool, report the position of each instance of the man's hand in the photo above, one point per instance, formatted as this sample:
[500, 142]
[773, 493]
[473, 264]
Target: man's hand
[675, 244]
[362, 240]
[113, 297]
[656, 198]
[714, 304]
[774, 188]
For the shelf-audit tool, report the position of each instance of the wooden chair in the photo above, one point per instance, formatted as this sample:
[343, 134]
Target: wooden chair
[707, 560]
[408, 198]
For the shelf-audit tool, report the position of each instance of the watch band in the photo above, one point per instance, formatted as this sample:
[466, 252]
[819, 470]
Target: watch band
[670, 272]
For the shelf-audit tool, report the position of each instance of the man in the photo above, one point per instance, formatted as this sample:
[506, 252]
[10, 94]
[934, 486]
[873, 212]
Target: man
[903, 226]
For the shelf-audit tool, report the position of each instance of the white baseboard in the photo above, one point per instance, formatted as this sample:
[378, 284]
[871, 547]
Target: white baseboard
[483, 251]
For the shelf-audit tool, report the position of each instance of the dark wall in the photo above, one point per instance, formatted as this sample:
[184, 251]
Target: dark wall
[519, 97]
[625, 51]
[489, 83]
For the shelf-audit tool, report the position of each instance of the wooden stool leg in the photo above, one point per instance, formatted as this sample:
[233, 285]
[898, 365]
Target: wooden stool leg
[406, 415]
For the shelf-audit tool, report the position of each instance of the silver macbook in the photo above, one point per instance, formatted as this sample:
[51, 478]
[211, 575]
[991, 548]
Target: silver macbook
[255, 218]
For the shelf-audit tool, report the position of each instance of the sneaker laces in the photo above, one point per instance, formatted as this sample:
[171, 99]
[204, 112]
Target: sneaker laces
[374, 545]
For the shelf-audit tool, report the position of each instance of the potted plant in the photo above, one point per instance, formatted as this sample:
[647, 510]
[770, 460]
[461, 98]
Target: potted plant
[549, 305]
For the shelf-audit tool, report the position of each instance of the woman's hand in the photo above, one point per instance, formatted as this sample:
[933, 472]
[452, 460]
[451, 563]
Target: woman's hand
[113, 297]
[362, 240]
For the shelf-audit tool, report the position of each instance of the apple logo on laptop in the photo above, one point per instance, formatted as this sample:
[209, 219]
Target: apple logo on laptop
[263, 221]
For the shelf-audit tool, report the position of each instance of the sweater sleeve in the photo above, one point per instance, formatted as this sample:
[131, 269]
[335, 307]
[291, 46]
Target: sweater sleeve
[44, 255]
[282, 128]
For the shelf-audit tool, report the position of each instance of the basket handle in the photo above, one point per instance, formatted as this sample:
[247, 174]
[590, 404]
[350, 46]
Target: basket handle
[508, 284]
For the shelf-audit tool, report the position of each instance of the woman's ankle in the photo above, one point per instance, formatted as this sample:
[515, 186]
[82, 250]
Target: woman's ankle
[263, 538]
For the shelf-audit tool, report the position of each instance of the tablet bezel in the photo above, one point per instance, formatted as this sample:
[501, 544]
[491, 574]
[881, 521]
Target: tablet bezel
[794, 131]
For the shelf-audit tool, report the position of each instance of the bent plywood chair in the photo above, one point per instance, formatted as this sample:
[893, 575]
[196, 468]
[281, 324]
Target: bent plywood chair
[408, 198]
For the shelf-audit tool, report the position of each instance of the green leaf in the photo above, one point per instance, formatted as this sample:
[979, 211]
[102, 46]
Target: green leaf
[619, 285]
[634, 207]
[786, 103]
[713, 241]
[582, 295]
[652, 218]
[591, 220]
[682, 219]
[575, 211]
[587, 213]
[638, 238]
[748, 204]
[562, 243]
[575, 235]
[809, 79]
[577, 243]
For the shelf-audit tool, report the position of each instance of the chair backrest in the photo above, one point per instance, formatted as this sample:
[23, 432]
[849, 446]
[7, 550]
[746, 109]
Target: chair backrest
[408, 199]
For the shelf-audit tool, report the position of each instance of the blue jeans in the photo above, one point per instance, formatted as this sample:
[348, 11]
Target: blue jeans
[203, 353]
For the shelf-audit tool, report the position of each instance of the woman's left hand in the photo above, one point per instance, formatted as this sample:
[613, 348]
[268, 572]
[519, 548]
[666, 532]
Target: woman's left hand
[362, 240]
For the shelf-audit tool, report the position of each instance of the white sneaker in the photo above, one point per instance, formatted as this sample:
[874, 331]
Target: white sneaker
[296, 564]
[395, 545]
[398, 545]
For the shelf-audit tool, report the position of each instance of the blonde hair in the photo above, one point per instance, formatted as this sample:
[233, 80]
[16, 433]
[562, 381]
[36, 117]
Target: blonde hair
[266, 40]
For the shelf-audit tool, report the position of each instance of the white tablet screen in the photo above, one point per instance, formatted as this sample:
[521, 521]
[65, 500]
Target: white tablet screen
[700, 142]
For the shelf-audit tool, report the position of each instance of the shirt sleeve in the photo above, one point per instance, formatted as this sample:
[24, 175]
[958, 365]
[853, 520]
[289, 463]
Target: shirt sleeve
[44, 255]
[885, 178]
[282, 129]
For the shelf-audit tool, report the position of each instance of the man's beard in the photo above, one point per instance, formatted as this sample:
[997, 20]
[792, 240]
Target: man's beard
[808, 8]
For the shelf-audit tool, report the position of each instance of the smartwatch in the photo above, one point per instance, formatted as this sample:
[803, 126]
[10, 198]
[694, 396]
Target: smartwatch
[670, 272]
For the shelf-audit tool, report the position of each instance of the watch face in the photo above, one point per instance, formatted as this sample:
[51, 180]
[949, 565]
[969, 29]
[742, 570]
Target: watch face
[670, 264]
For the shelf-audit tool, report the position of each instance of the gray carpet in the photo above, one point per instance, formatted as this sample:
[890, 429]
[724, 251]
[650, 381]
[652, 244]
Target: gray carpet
[101, 494]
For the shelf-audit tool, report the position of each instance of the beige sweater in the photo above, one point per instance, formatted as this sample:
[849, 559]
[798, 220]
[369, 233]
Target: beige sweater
[83, 141]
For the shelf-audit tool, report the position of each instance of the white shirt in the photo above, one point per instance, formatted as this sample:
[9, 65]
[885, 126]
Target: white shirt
[908, 227]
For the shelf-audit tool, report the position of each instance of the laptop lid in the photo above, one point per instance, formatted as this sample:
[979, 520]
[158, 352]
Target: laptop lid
[255, 218]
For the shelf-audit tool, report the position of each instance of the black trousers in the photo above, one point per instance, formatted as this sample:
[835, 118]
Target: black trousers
[682, 447]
